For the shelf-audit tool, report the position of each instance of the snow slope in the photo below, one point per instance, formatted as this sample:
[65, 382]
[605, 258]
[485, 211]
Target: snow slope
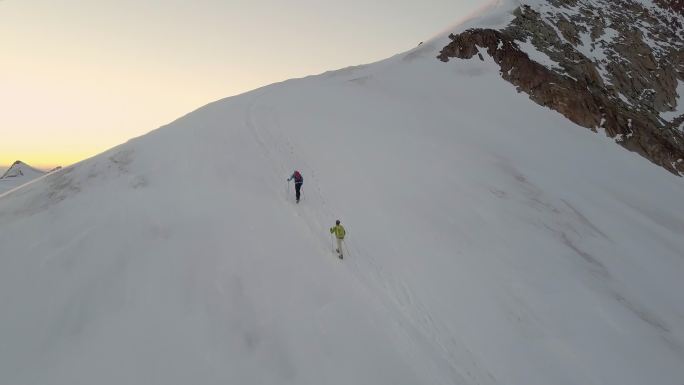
[490, 241]
[18, 174]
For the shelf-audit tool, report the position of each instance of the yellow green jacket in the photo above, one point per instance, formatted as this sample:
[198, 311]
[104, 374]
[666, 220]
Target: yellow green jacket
[338, 230]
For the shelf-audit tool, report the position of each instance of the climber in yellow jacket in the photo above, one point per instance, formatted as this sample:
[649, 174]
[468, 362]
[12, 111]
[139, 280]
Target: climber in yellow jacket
[339, 232]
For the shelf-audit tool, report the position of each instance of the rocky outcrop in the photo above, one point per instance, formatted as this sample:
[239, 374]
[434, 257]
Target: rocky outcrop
[606, 65]
[674, 5]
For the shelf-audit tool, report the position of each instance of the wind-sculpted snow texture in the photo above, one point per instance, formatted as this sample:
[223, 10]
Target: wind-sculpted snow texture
[610, 65]
[489, 241]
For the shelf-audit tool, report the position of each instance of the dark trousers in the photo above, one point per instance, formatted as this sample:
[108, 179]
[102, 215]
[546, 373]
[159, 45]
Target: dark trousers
[298, 186]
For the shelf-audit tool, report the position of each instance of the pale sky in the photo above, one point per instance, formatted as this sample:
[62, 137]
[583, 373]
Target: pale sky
[80, 76]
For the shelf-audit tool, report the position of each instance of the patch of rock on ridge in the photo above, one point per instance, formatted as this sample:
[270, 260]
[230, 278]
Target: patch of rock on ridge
[618, 64]
[674, 5]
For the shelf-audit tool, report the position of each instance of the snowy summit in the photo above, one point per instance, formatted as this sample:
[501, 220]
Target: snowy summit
[18, 174]
[489, 239]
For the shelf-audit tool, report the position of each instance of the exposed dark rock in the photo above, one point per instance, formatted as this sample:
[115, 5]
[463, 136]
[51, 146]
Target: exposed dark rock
[674, 5]
[618, 68]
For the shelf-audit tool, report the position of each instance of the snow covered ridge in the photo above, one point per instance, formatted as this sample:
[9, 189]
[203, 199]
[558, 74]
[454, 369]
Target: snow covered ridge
[490, 241]
[18, 174]
[19, 169]
[608, 65]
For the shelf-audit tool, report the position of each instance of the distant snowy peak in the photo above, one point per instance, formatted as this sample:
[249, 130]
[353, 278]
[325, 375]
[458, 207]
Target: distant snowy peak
[18, 174]
[610, 65]
[21, 169]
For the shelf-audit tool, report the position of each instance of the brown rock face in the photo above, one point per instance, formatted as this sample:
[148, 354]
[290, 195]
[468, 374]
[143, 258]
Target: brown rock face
[544, 86]
[611, 75]
[675, 5]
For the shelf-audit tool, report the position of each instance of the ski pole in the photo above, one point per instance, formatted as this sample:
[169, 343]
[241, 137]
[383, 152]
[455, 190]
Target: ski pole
[332, 247]
[344, 244]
